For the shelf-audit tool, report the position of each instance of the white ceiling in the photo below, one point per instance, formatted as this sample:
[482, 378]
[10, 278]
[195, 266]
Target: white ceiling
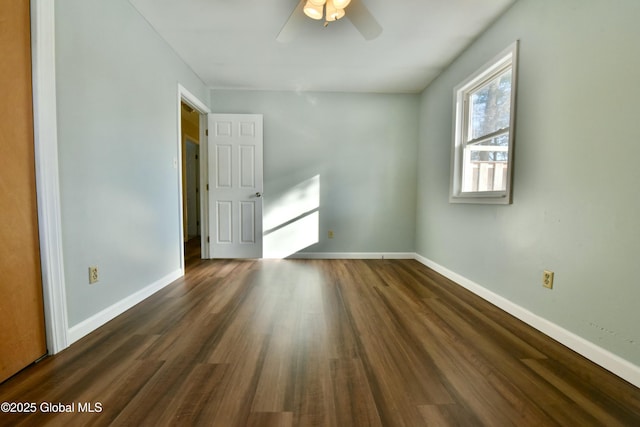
[231, 44]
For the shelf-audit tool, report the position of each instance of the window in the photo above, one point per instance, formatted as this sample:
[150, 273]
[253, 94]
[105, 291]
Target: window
[482, 154]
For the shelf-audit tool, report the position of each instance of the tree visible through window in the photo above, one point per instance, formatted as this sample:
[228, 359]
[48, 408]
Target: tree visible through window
[490, 111]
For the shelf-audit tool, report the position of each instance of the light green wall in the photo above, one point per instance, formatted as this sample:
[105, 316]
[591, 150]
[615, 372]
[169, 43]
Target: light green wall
[575, 209]
[117, 89]
[362, 146]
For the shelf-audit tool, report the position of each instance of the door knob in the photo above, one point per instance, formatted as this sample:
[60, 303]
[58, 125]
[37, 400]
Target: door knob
[258, 194]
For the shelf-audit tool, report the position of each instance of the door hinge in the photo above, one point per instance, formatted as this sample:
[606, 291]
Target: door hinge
[208, 241]
[207, 187]
[206, 132]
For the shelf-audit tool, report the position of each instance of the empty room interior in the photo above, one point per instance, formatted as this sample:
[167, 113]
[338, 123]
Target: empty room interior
[389, 214]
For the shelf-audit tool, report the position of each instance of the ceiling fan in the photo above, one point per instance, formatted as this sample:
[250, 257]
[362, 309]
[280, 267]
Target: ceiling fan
[331, 10]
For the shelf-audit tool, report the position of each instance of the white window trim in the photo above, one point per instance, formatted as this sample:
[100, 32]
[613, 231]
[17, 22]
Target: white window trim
[493, 67]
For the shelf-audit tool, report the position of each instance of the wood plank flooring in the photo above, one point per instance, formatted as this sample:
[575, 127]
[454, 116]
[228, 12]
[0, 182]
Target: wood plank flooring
[319, 343]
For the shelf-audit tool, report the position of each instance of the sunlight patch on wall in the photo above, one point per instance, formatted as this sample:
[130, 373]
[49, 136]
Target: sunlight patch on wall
[292, 219]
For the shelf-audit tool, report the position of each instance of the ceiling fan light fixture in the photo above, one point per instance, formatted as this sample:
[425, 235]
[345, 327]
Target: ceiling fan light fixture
[313, 11]
[333, 13]
[341, 4]
[339, 13]
[359, 16]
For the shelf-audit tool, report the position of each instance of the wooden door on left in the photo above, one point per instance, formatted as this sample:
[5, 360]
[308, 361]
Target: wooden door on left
[22, 330]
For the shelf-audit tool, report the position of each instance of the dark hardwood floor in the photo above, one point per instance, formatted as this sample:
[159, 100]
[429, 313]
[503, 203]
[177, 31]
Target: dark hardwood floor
[319, 343]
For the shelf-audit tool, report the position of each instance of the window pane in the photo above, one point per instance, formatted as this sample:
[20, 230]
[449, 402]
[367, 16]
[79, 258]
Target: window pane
[485, 176]
[482, 150]
[485, 165]
[489, 156]
[490, 106]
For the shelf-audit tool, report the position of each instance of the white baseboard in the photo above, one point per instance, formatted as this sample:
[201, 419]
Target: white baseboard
[353, 255]
[617, 365]
[94, 322]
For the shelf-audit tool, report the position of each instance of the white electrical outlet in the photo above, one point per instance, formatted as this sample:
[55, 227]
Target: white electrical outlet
[547, 279]
[93, 275]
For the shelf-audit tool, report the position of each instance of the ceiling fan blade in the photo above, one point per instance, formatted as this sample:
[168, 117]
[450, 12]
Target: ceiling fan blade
[292, 27]
[363, 20]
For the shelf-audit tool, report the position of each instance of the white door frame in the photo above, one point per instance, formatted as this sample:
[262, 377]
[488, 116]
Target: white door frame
[47, 177]
[191, 100]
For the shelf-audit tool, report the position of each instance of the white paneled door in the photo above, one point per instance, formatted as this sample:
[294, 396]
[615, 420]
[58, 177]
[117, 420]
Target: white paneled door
[235, 185]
